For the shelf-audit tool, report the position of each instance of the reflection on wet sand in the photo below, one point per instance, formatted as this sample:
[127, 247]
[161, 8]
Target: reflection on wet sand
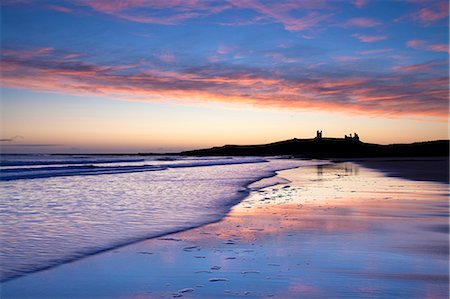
[334, 231]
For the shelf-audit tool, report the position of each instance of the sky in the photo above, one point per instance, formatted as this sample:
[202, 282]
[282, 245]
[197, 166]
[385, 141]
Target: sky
[162, 76]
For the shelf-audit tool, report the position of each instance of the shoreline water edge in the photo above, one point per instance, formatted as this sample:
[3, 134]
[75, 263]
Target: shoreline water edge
[33, 179]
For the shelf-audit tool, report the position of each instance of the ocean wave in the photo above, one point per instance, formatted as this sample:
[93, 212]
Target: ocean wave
[58, 220]
[22, 172]
[54, 161]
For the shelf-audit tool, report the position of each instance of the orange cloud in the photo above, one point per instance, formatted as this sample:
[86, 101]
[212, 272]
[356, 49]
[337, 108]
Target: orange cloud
[386, 95]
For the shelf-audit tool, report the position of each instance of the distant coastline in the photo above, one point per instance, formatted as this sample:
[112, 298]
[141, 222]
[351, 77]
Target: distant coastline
[328, 148]
[314, 148]
[428, 160]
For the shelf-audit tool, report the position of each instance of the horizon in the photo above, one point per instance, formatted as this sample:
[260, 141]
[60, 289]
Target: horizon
[174, 152]
[148, 76]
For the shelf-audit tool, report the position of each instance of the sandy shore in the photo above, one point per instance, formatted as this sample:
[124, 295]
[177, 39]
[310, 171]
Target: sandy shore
[332, 232]
[434, 169]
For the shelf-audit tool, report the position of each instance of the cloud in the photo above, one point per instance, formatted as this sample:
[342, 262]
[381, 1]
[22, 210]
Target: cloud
[291, 14]
[169, 12]
[359, 3]
[421, 67]
[172, 12]
[27, 54]
[415, 43]
[279, 12]
[363, 22]
[423, 45]
[223, 50]
[59, 8]
[11, 139]
[429, 13]
[438, 47]
[337, 89]
[432, 14]
[369, 39]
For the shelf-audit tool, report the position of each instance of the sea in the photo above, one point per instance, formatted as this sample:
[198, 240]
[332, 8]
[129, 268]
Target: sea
[58, 208]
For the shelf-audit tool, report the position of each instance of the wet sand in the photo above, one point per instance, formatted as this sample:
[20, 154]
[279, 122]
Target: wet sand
[339, 231]
[421, 169]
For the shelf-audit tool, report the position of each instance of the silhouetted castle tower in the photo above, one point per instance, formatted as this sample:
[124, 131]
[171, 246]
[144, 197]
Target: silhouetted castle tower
[352, 138]
[319, 135]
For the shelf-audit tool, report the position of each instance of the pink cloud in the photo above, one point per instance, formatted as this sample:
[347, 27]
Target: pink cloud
[369, 39]
[279, 12]
[423, 45]
[439, 12]
[59, 8]
[177, 11]
[71, 55]
[439, 47]
[429, 13]
[414, 43]
[183, 10]
[395, 94]
[132, 10]
[28, 54]
[359, 3]
[362, 22]
[420, 67]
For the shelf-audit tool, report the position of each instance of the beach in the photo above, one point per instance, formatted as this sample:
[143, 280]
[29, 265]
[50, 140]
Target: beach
[324, 231]
[224, 149]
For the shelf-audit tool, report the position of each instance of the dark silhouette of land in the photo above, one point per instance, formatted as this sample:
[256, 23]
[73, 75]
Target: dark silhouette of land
[428, 161]
[328, 148]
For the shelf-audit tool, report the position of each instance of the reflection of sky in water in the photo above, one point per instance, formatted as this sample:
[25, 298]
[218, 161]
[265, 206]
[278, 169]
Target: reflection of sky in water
[336, 231]
[49, 221]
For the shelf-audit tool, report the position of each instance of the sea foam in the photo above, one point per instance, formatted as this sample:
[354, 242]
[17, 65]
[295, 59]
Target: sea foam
[55, 214]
